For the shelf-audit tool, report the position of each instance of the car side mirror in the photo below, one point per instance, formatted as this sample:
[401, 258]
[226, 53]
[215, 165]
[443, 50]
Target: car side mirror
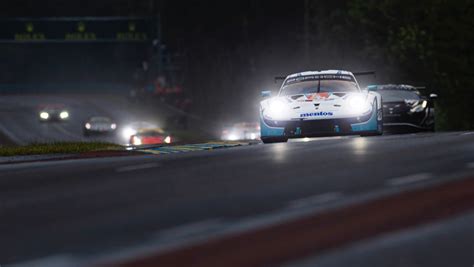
[266, 94]
[433, 96]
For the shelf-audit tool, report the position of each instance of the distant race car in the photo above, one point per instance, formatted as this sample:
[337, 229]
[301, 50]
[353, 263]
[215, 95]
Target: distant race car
[99, 125]
[56, 112]
[242, 131]
[320, 103]
[405, 107]
[134, 127]
[150, 137]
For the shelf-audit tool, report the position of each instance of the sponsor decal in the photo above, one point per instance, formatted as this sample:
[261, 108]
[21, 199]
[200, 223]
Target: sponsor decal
[316, 114]
[318, 96]
[322, 77]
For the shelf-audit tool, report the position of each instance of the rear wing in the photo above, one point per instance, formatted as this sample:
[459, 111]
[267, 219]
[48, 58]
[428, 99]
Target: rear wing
[395, 86]
[279, 78]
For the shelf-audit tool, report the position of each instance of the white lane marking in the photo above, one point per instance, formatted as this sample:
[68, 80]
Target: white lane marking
[468, 133]
[414, 178]
[470, 165]
[12, 136]
[137, 167]
[315, 200]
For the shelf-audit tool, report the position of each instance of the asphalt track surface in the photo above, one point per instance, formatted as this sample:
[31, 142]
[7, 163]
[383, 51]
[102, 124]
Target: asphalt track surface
[71, 213]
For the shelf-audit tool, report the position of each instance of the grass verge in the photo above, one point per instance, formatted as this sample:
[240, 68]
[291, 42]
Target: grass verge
[57, 148]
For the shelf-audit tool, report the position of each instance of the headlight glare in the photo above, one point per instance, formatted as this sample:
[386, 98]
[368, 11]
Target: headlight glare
[44, 115]
[127, 132]
[359, 105]
[424, 104]
[136, 141]
[276, 109]
[64, 115]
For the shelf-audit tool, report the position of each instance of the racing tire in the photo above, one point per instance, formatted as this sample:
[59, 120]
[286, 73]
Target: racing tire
[378, 132]
[273, 140]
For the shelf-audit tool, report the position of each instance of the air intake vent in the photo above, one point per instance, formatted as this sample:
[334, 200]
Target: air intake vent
[296, 97]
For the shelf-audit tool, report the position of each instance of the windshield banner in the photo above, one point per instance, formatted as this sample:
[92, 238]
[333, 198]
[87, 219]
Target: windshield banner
[340, 77]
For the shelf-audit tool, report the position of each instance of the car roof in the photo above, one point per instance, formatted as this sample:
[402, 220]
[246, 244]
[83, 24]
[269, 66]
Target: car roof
[99, 118]
[51, 106]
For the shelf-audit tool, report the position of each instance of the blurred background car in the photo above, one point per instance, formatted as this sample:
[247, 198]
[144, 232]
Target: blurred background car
[150, 137]
[241, 131]
[54, 112]
[405, 108]
[133, 128]
[99, 125]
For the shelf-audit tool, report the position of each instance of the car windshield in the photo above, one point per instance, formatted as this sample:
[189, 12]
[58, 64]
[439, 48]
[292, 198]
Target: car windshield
[100, 119]
[154, 132]
[326, 86]
[399, 95]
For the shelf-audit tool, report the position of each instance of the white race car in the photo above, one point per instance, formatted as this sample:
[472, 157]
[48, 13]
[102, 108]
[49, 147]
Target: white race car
[320, 103]
[53, 112]
[99, 125]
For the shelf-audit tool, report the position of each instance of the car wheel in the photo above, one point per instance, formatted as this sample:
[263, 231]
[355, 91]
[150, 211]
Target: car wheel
[272, 140]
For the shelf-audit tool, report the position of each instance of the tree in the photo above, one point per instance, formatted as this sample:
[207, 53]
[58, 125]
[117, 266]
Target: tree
[431, 42]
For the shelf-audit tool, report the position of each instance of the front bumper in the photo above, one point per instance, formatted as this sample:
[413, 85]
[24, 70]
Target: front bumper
[322, 127]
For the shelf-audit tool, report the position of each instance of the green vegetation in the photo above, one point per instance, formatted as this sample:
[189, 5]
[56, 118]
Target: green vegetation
[431, 43]
[57, 148]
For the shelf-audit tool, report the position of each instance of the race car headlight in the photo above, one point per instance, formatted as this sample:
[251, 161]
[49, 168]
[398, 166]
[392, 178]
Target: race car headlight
[127, 132]
[232, 137]
[359, 105]
[168, 140]
[276, 109]
[44, 115]
[419, 108]
[88, 126]
[424, 104]
[411, 102]
[113, 126]
[136, 141]
[64, 115]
